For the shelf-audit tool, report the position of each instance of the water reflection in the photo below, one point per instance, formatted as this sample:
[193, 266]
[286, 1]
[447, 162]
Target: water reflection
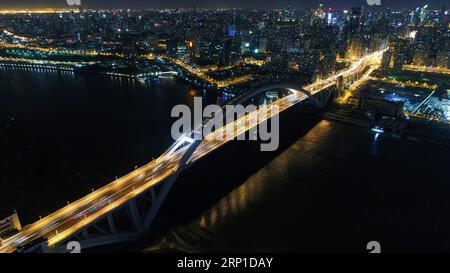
[82, 120]
[262, 182]
[375, 144]
[233, 211]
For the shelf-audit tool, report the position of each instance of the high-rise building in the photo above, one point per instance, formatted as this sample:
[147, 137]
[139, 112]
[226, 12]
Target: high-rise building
[308, 62]
[227, 52]
[182, 51]
[423, 14]
[327, 64]
[443, 59]
[340, 85]
[398, 53]
[399, 61]
[386, 60]
[421, 57]
[355, 48]
[444, 16]
[231, 30]
[354, 20]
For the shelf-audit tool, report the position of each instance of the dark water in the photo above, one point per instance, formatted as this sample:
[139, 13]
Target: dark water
[97, 115]
[74, 132]
[334, 189]
[330, 187]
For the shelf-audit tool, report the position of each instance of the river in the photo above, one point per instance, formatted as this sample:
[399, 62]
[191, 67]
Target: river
[331, 187]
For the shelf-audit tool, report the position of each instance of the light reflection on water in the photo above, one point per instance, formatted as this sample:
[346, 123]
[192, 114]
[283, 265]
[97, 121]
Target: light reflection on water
[235, 205]
[86, 119]
[260, 183]
[333, 190]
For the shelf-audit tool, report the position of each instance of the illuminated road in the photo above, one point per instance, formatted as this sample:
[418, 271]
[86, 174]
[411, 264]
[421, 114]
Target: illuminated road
[64, 223]
[43, 63]
[356, 85]
[426, 69]
[50, 50]
[202, 75]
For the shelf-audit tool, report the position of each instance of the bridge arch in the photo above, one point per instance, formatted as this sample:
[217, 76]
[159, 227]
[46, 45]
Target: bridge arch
[243, 98]
[187, 155]
[161, 190]
[264, 88]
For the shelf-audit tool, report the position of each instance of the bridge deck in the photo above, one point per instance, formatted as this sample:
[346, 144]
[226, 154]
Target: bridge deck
[66, 222]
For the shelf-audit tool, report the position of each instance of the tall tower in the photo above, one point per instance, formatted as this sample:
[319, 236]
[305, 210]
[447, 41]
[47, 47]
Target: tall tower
[340, 84]
[445, 16]
[423, 14]
[386, 60]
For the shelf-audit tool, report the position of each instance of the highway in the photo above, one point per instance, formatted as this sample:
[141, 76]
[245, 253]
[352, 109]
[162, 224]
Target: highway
[64, 223]
[426, 69]
[202, 74]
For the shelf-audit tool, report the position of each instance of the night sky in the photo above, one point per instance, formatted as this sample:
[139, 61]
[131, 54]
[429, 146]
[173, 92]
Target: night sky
[215, 3]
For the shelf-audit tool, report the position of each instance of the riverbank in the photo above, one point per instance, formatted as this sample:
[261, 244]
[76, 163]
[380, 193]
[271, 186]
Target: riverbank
[417, 134]
[334, 189]
[77, 131]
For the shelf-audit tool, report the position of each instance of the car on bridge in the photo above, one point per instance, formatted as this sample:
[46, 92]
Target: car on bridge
[101, 203]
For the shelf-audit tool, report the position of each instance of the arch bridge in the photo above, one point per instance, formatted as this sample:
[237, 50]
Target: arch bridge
[93, 220]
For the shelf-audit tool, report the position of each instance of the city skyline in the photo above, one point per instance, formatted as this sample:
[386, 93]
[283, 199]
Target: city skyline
[208, 130]
[251, 4]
